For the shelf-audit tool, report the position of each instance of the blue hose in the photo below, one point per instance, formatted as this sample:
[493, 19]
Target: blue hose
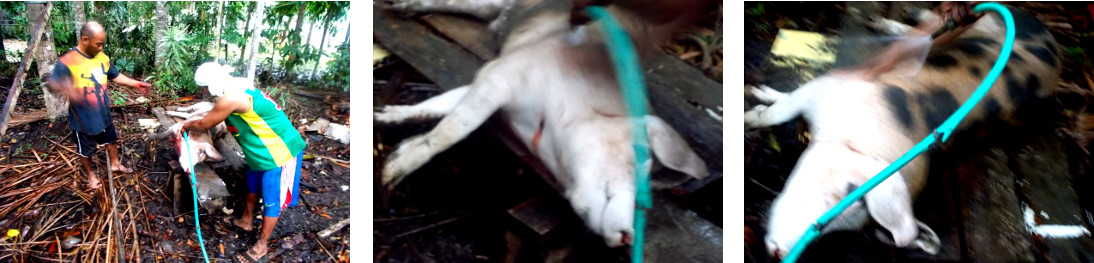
[629, 72]
[942, 133]
[194, 188]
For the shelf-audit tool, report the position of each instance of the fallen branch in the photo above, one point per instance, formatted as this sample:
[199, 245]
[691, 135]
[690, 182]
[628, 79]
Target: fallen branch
[330, 230]
[21, 73]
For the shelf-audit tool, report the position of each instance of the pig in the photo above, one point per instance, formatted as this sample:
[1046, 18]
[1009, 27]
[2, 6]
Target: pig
[559, 93]
[201, 147]
[859, 126]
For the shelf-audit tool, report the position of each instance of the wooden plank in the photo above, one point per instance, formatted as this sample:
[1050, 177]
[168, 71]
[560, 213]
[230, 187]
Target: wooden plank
[542, 218]
[469, 33]
[443, 62]
[21, 73]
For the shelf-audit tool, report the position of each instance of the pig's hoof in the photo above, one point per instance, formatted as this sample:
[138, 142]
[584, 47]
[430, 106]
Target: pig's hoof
[409, 156]
[927, 239]
[393, 114]
[767, 94]
[753, 117]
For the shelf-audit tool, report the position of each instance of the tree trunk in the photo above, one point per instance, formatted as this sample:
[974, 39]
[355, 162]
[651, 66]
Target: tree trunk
[220, 20]
[243, 51]
[46, 56]
[293, 58]
[28, 57]
[311, 29]
[81, 18]
[322, 40]
[256, 33]
[346, 42]
[162, 22]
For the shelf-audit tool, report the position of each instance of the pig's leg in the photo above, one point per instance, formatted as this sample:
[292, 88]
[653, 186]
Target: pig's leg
[784, 109]
[435, 107]
[491, 90]
[183, 115]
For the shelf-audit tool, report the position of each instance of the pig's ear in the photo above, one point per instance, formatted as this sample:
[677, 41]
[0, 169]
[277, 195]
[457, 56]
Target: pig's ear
[672, 150]
[212, 153]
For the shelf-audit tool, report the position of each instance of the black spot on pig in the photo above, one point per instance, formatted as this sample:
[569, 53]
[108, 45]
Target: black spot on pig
[941, 61]
[1016, 57]
[974, 46]
[1021, 92]
[1043, 54]
[975, 71]
[898, 104]
[937, 105]
[1051, 46]
[992, 108]
[1026, 25]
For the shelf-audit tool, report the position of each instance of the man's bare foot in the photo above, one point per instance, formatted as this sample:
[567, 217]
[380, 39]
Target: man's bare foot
[118, 167]
[93, 181]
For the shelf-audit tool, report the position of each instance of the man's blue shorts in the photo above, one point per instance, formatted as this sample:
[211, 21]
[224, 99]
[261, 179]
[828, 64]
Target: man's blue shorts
[279, 190]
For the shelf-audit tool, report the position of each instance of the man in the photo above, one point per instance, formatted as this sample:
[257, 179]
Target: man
[81, 75]
[271, 145]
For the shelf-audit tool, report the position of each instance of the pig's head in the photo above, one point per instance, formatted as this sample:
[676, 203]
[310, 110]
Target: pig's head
[825, 174]
[191, 149]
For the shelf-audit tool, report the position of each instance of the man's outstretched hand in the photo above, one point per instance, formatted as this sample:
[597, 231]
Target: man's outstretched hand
[144, 87]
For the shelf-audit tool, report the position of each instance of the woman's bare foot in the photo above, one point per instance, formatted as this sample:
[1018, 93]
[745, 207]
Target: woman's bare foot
[255, 254]
[236, 222]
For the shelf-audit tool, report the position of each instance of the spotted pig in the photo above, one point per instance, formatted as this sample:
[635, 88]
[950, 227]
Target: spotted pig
[860, 126]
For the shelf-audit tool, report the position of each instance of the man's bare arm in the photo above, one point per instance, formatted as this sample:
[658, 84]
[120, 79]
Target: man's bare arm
[225, 106]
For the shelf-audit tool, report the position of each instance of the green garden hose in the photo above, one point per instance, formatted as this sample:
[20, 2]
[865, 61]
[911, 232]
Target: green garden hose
[629, 72]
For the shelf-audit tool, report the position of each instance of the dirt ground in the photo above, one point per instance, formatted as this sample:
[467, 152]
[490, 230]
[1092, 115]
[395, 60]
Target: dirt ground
[152, 229]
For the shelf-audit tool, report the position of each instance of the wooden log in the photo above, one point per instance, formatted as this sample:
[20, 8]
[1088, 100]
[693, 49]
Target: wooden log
[21, 73]
[230, 149]
[165, 121]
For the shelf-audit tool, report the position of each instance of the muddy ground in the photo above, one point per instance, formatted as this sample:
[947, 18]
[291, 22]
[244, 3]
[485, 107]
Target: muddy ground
[162, 235]
[979, 182]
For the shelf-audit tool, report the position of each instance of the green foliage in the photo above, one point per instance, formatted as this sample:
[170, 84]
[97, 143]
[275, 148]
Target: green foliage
[15, 12]
[176, 71]
[130, 31]
[279, 94]
[131, 38]
[118, 98]
[337, 74]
